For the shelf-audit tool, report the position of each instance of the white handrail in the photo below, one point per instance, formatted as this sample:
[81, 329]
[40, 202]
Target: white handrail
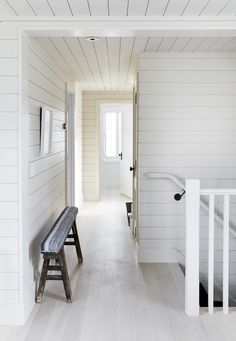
[218, 191]
[155, 175]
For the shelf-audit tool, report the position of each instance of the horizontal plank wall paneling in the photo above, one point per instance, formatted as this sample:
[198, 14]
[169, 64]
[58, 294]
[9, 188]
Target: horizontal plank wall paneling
[46, 183]
[90, 101]
[9, 201]
[187, 125]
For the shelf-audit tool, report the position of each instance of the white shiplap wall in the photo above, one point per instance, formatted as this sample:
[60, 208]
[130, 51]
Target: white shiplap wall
[91, 100]
[46, 183]
[9, 171]
[187, 127]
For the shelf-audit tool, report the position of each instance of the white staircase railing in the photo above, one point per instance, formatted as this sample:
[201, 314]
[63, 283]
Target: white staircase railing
[193, 204]
[193, 194]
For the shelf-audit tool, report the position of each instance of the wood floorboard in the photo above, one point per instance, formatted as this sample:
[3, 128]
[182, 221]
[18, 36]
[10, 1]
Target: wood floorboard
[114, 298]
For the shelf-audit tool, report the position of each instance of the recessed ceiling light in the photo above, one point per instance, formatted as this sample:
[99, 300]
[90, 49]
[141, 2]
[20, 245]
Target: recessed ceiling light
[92, 38]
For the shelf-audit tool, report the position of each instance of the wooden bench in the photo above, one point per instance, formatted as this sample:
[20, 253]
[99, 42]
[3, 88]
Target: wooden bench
[63, 232]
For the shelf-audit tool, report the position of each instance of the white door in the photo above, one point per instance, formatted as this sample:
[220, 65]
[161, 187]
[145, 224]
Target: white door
[110, 174]
[127, 150]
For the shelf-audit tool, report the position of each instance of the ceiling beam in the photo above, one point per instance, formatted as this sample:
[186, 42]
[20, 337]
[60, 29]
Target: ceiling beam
[127, 26]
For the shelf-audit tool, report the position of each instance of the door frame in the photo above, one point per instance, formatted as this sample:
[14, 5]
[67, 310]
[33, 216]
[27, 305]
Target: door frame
[65, 26]
[70, 141]
[135, 194]
[99, 103]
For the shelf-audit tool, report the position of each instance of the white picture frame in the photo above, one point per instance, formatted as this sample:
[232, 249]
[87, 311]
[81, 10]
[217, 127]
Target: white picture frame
[46, 130]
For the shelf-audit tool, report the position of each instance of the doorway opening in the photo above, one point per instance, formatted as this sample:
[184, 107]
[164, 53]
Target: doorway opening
[116, 148]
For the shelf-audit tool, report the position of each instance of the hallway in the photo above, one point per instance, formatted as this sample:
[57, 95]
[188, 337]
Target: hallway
[114, 298]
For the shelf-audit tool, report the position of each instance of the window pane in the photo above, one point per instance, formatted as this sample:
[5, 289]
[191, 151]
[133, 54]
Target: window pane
[110, 134]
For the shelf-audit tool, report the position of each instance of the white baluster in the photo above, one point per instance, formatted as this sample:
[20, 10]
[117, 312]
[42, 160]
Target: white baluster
[211, 255]
[192, 247]
[226, 256]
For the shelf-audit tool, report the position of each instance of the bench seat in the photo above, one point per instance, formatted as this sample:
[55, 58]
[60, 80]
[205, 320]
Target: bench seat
[55, 239]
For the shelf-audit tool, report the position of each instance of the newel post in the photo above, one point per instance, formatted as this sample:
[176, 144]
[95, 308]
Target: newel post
[192, 247]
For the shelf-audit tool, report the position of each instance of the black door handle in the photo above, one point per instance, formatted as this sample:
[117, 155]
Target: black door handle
[121, 155]
[131, 169]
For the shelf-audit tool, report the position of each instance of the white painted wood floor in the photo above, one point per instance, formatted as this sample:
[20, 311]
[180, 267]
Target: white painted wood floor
[115, 299]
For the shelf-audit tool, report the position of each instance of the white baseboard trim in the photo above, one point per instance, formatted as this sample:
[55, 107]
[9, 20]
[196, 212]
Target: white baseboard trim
[17, 313]
[146, 255]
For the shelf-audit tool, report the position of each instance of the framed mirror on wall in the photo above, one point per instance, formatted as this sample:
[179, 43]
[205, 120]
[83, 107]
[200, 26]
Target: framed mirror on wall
[46, 130]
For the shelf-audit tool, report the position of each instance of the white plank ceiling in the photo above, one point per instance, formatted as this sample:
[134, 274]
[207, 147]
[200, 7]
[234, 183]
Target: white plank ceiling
[110, 63]
[117, 8]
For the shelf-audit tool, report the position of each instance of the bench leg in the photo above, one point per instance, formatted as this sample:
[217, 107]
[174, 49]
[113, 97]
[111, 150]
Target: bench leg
[42, 280]
[65, 276]
[77, 243]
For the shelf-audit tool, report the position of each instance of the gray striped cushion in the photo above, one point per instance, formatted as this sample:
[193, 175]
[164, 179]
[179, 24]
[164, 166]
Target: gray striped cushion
[54, 240]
